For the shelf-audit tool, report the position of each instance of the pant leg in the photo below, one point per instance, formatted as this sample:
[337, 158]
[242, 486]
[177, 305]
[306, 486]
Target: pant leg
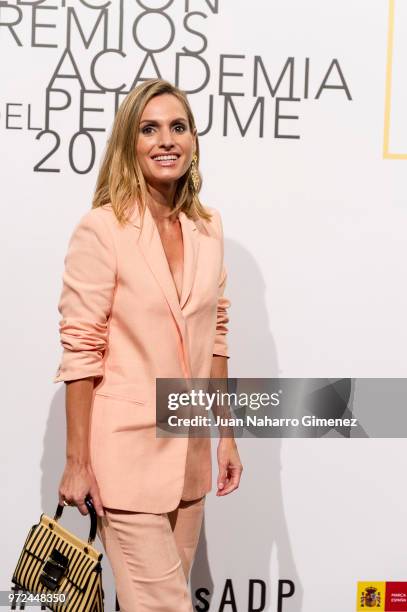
[145, 562]
[186, 523]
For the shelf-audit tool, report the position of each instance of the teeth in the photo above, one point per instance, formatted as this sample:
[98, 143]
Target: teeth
[165, 157]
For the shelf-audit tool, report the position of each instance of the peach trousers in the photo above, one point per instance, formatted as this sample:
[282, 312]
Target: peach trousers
[151, 556]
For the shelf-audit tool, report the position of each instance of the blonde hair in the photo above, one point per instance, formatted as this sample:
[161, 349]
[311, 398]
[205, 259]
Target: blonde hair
[120, 180]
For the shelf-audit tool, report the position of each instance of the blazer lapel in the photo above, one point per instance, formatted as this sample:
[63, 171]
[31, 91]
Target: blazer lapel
[190, 235]
[153, 251]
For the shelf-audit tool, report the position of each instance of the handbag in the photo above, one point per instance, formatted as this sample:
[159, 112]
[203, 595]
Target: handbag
[62, 571]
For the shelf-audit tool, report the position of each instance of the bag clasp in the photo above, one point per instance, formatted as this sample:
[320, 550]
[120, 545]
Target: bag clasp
[55, 568]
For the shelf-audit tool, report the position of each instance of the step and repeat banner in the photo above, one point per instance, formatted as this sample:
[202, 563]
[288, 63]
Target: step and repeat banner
[300, 108]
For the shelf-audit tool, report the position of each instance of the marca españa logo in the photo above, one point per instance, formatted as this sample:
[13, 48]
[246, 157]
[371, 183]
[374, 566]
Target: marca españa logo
[383, 596]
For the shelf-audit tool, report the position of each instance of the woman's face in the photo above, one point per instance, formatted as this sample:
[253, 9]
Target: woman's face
[164, 131]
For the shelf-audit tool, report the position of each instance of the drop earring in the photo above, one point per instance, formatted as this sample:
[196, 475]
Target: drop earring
[194, 174]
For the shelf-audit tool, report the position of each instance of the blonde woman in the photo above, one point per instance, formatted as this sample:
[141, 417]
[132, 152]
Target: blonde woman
[143, 298]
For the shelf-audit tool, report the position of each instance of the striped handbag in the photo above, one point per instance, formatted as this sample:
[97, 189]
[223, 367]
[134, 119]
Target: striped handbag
[63, 570]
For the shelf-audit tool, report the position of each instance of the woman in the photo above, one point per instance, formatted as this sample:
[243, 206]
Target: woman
[142, 298]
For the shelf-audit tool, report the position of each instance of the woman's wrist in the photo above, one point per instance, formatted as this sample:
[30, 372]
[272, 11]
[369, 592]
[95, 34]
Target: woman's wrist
[78, 461]
[227, 441]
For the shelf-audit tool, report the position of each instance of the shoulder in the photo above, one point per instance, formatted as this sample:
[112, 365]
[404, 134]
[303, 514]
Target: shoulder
[212, 211]
[99, 219]
[99, 215]
[95, 227]
[214, 225]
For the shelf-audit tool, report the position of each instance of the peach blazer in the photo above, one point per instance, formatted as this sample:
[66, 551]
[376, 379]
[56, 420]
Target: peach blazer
[122, 322]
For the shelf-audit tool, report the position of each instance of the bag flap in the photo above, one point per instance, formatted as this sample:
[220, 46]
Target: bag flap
[83, 558]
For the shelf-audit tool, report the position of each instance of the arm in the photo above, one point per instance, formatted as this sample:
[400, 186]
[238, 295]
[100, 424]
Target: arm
[87, 293]
[78, 479]
[78, 401]
[230, 466]
[88, 285]
[219, 369]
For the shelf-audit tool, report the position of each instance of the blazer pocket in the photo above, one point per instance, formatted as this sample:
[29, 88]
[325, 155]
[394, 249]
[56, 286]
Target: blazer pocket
[115, 396]
[116, 413]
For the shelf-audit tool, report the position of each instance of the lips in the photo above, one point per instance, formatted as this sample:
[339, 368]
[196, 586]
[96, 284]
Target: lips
[166, 161]
[165, 155]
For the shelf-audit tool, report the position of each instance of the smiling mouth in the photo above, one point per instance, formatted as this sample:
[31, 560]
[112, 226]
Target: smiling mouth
[166, 160]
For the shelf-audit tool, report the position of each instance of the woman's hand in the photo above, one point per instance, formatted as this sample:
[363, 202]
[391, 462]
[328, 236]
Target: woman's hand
[77, 481]
[230, 467]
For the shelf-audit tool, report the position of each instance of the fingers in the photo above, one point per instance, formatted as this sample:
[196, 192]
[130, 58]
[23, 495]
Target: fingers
[82, 507]
[222, 476]
[65, 499]
[231, 483]
[75, 486]
[230, 467]
[96, 500]
[79, 502]
[61, 499]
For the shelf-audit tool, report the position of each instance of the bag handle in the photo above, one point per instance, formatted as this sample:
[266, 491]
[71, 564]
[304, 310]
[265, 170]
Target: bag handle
[92, 514]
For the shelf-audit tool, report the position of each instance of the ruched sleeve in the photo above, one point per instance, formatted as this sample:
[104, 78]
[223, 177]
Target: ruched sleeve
[89, 281]
[222, 316]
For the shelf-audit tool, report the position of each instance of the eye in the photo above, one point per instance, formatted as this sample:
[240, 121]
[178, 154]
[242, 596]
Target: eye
[146, 129]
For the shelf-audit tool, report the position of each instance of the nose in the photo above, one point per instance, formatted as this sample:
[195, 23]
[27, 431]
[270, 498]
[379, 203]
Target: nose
[166, 138]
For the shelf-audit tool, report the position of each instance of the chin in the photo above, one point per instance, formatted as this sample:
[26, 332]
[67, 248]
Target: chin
[164, 180]
[166, 177]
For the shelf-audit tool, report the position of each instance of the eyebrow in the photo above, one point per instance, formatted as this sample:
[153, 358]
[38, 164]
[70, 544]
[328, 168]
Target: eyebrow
[153, 121]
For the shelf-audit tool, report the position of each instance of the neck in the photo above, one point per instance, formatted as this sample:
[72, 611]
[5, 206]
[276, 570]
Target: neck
[160, 199]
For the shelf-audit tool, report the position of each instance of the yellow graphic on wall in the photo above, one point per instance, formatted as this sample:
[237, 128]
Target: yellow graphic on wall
[394, 68]
[371, 596]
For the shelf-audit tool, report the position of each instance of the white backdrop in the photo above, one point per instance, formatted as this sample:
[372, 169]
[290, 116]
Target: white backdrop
[315, 228]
